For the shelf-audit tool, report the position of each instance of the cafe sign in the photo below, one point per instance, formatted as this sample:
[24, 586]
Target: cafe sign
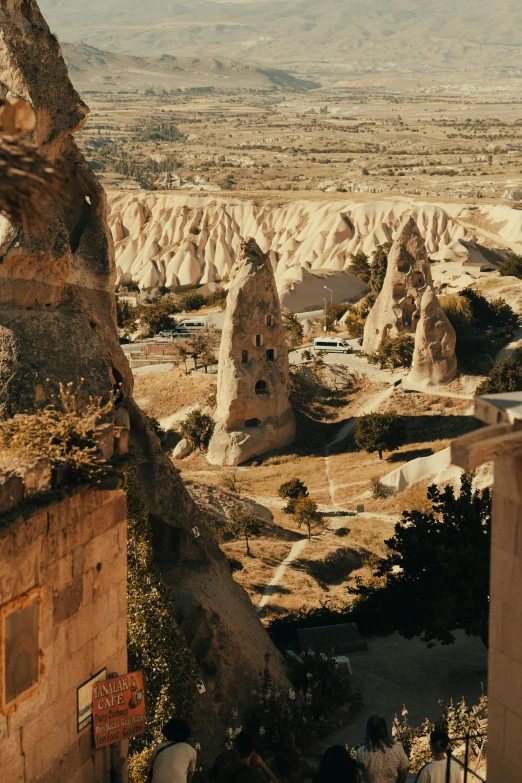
[118, 709]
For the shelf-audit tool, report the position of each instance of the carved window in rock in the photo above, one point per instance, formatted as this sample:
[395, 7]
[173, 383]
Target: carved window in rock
[244, 357]
[404, 264]
[252, 423]
[269, 321]
[418, 280]
[20, 622]
[261, 387]
[270, 355]
[259, 341]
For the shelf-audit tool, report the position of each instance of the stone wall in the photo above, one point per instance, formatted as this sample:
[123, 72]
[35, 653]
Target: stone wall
[67, 563]
[505, 646]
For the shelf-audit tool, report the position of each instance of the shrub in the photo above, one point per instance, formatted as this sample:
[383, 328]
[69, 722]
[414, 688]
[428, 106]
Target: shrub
[512, 266]
[64, 432]
[334, 312]
[191, 300]
[394, 352]
[379, 432]
[198, 429]
[506, 376]
[156, 317]
[377, 488]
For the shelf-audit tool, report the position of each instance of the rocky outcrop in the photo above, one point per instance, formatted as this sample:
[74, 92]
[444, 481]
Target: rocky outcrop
[57, 324]
[253, 413]
[407, 304]
[434, 361]
[397, 308]
[181, 239]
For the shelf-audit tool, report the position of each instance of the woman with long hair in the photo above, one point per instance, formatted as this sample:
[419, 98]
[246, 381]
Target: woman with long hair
[381, 759]
[337, 766]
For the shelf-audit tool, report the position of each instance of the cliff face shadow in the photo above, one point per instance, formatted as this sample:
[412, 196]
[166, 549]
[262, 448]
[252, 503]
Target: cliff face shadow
[419, 429]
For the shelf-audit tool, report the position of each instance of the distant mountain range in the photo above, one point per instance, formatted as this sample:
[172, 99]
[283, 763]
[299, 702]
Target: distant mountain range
[92, 69]
[311, 36]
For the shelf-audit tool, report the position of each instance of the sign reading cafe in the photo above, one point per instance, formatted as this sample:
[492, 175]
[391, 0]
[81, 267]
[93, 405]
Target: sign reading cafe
[118, 709]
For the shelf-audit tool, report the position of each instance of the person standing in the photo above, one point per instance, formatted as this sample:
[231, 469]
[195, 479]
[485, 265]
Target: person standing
[436, 771]
[381, 759]
[173, 761]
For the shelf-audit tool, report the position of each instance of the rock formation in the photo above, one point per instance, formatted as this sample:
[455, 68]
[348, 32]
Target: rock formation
[406, 301]
[397, 308]
[57, 324]
[434, 361]
[253, 412]
[156, 244]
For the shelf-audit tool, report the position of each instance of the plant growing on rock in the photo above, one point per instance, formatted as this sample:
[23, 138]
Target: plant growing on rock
[379, 432]
[379, 267]
[512, 266]
[360, 267]
[64, 432]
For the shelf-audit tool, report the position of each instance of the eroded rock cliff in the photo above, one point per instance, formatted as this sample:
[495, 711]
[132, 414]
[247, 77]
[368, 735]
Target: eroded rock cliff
[57, 324]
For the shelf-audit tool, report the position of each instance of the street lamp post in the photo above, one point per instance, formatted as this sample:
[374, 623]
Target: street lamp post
[331, 302]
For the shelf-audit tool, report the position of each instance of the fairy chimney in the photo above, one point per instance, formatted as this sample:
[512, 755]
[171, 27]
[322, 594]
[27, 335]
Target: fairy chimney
[253, 413]
[397, 308]
[407, 304]
[434, 361]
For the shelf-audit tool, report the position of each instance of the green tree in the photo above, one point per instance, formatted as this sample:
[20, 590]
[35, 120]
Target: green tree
[236, 482]
[512, 266]
[126, 316]
[354, 323]
[182, 353]
[157, 316]
[506, 376]
[197, 428]
[191, 300]
[244, 525]
[294, 331]
[436, 577]
[291, 491]
[360, 267]
[203, 344]
[379, 267]
[334, 312]
[305, 514]
[394, 352]
[379, 432]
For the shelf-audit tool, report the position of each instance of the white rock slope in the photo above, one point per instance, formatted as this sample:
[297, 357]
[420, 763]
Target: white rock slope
[179, 240]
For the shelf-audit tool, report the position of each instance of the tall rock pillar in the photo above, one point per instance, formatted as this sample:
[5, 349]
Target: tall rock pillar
[434, 361]
[253, 413]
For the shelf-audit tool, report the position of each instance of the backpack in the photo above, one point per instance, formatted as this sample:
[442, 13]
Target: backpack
[150, 773]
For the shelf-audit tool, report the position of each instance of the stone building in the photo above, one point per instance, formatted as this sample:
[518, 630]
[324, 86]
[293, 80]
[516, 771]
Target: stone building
[407, 304]
[63, 619]
[501, 443]
[253, 414]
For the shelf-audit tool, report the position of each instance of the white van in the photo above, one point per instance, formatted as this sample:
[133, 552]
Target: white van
[331, 345]
[192, 325]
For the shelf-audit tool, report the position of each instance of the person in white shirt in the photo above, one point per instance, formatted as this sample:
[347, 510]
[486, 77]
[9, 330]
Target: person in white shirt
[173, 761]
[437, 770]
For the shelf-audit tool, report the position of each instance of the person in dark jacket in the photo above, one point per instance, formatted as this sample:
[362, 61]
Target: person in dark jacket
[337, 766]
[250, 767]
